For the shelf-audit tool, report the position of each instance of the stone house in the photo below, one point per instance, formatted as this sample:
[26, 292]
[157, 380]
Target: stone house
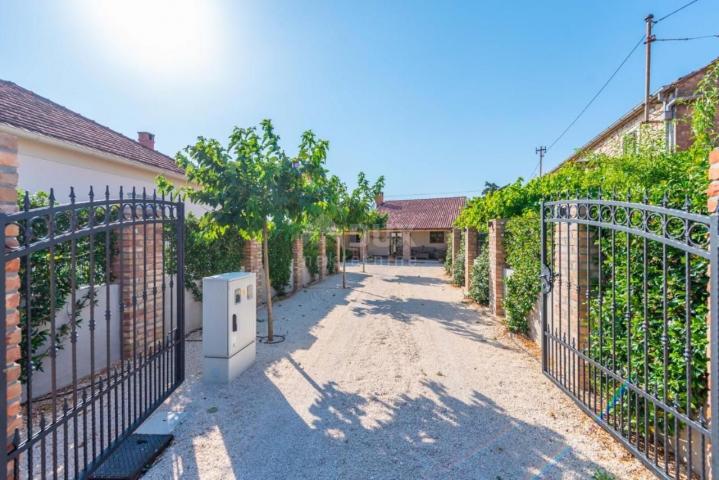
[669, 121]
[416, 229]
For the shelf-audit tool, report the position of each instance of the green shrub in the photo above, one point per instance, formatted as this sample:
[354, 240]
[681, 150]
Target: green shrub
[40, 307]
[522, 246]
[208, 251]
[280, 256]
[331, 252]
[479, 288]
[311, 252]
[448, 258]
[458, 266]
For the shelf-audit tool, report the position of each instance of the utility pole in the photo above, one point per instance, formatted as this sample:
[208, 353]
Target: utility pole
[649, 20]
[541, 151]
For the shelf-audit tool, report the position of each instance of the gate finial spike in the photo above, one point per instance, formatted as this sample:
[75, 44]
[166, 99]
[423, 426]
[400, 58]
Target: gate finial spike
[599, 193]
[51, 197]
[72, 194]
[144, 193]
[121, 192]
[687, 203]
[665, 199]
[26, 201]
[134, 193]
[91, 194]
[645, 196]
[107, 192]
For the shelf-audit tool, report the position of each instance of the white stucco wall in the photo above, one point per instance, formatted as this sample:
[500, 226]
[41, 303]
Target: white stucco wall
[44, 165]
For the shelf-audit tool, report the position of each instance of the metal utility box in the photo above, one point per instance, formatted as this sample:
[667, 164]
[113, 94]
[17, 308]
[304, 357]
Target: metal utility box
[229, 329]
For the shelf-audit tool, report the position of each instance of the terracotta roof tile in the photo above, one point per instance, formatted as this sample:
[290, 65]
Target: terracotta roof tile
[24, 109]
[422, 214]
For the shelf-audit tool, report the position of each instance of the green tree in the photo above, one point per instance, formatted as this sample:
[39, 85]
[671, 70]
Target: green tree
[354, 210]
[252, 183]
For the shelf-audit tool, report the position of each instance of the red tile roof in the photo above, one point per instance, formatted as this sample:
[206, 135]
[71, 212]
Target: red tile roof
[422, 214]
[24, 109]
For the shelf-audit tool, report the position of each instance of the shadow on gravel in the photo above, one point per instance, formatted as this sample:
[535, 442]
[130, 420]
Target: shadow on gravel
[417, 280]
[344, 435]
[451, 315]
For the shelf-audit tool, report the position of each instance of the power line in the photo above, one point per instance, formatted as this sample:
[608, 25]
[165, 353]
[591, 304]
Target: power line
[611, 77]
[685, 39]
[675, 11]
[599, 92]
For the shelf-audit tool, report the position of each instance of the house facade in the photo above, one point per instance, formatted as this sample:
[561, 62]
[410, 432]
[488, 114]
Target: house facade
[59, 148]
[669, 121]
[415, 229]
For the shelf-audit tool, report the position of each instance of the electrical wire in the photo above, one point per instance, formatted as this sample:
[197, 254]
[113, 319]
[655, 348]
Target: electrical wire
[599, 92]
[675, 11]
[685, 39]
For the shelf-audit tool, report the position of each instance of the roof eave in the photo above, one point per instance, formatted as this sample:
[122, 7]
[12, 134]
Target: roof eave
[48, 140]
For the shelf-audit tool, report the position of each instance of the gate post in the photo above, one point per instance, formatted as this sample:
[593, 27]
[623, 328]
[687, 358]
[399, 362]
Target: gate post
[546, 278]
[10, 329]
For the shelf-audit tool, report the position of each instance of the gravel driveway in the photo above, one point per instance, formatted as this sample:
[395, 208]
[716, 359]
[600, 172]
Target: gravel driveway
[393, 378]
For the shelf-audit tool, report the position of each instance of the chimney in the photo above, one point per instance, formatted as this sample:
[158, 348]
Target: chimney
[146, 139]
[379, 199]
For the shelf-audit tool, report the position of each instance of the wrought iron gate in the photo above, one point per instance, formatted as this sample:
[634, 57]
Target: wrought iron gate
[101, 316]
[626, 334]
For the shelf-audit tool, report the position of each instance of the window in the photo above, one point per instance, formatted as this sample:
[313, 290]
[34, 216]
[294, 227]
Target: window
[436, 237]
[630, 143]
[355, 238]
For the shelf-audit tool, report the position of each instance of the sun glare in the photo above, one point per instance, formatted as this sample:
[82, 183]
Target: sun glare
[156, 37]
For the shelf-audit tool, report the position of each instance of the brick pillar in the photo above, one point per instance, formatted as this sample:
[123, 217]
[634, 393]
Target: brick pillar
[570, 265]
[573, 249]
[406, 245]
[470, 253]
[252, 262]
[298, 263]
[8, 204]
[141, 309]
[455, 239]
[496, 267]
[323, 256]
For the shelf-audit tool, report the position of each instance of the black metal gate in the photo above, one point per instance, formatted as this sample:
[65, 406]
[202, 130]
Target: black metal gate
[101, 317]
[625, 325]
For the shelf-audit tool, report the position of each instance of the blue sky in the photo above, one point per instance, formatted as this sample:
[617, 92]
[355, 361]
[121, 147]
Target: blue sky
[437, 96]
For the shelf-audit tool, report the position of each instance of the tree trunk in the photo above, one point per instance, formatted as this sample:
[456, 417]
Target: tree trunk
[344, 261]
[268, 287]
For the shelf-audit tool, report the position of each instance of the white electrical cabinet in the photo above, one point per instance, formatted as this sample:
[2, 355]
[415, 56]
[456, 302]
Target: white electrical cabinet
[229, 329]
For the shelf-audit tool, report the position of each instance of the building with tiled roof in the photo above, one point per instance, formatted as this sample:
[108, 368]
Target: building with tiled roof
[59, 149]
[416, 228]
[670, 109]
